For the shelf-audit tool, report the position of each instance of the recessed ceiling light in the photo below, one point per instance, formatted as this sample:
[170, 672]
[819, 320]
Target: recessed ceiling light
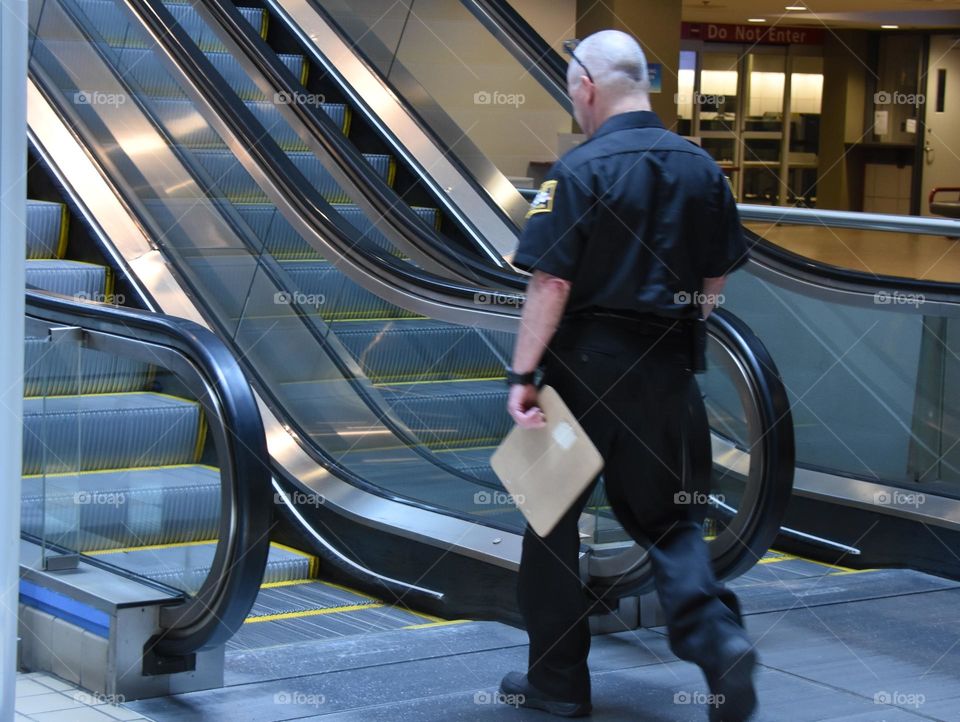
[794, 7]
[889, 27]
[756, 20]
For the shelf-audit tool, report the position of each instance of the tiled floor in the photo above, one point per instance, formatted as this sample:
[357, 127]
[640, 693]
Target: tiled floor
[42, 697]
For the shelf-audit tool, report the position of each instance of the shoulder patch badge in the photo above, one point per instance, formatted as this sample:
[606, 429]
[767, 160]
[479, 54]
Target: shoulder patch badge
[543, 201]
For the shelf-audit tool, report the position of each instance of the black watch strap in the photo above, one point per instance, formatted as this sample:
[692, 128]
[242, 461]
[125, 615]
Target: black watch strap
[513, 378]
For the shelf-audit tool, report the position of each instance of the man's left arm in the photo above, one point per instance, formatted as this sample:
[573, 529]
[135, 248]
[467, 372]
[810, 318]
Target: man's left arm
[546, 299]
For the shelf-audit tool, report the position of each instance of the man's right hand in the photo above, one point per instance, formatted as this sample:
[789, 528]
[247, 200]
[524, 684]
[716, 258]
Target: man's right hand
[522, 406]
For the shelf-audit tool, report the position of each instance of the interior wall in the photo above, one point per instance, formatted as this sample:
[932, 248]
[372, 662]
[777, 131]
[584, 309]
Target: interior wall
[656, 24]
[839, 182]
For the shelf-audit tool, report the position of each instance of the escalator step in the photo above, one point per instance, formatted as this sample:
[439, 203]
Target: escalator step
[103, 16]
[70, 278]
[235, 184]
[284, 243]
[139, 65]
[46, 229]
[412, 350]
[456, 413]
[51, 370]
[109, 431]
[183, 121]
[187, 566]
[123, 508]
[337, 297]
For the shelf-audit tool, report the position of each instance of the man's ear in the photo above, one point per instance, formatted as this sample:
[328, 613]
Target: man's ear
[590, 88]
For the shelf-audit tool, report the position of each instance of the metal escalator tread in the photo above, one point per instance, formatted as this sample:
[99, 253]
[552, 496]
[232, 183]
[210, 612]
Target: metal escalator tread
[290, 612]
[338, 297]
[235, 184]
[415, 350]
[70, 278]
[103, 15]
[109, 431]
[406, 475]
[51, 370]
[284, 243]
[452, 413]
[181, 114]
[46, 229]
[153, 80]
[118, 508]
[186, 566]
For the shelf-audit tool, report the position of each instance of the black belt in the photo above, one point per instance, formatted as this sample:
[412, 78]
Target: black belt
[695, 330]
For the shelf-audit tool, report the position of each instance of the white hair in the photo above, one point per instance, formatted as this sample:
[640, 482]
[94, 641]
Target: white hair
[615, 60]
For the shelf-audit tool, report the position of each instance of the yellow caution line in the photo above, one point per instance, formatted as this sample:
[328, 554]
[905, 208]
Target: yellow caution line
[773, 560]
[289, 583]
[121, 469]
[439, 381]
[312, 612]
[436, 624]
[847, 570]
[158, 394]
[151, 547]
[314, 561]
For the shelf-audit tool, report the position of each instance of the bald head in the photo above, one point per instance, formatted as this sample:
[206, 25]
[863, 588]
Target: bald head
[615, 60]
[620, 80]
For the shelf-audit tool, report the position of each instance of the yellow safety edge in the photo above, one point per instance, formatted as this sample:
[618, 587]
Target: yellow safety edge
[64, 230]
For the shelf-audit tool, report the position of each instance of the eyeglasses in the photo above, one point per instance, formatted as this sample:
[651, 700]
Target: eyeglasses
[568, 47]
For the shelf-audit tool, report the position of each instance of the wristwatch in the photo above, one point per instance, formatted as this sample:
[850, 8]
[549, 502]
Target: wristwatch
[513, 378]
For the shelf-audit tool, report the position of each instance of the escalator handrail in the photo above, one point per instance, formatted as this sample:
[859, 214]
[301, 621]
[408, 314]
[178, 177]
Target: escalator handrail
[525, 44]
[402, 221]
[413, 277]
[280, 169]
[385, 201]
[227, 594]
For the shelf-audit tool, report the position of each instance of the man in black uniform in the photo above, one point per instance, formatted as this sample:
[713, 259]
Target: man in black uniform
[629, 241]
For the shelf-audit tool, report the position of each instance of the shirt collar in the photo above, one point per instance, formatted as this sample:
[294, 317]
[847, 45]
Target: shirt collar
[632, 119]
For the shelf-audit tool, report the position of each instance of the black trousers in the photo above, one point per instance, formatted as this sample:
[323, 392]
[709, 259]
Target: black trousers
[630, 389]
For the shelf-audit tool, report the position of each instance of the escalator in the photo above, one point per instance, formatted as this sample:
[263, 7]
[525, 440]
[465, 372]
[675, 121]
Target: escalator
[379, 380]
[867, 360]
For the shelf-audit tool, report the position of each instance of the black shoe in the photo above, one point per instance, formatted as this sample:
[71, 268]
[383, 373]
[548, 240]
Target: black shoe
[517, 691]
[734, 697]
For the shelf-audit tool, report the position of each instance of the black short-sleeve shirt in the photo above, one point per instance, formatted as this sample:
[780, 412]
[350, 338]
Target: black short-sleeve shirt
[636, 217]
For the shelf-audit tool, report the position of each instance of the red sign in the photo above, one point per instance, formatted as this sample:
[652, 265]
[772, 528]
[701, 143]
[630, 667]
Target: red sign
[751, 34]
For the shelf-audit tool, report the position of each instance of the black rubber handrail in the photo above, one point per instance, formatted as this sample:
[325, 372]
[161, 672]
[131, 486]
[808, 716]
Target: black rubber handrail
[387, 204]
[278, 167]
[219, 608]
